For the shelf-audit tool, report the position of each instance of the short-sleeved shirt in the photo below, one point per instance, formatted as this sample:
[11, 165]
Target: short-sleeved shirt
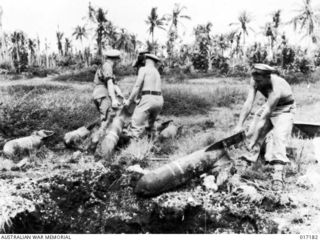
[100, 89]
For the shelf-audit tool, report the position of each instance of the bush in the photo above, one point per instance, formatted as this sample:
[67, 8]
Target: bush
[6, 65]
[66, 61]
[239, 70]
[40, 71]
[296, 77]
[125, 70]
[303, 64]
[220, 63]
[315, 76]
[86, 75]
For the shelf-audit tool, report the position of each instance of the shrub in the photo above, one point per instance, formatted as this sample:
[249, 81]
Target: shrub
[296, 77]
[66, 61]
[220, 63]
[239, 70]
[124, 70]
[303, 64]
[40, 71]
[6, 65]
[86, 75]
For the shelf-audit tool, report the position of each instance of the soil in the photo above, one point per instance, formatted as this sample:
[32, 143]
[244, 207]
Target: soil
[60, 191]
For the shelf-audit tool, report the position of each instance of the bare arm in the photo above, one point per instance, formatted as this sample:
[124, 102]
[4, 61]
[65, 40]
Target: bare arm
[111, 91]
[272, 102]
[247, 105]
[137, 86]
[118, 90]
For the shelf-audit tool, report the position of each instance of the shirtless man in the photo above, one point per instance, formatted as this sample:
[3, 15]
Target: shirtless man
[274, 117]
[148, 85]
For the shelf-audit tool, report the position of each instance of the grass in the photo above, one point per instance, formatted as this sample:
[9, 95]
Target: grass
[207, 110]
[137, 151]
[186, 100]
[28, 108]
[85, 75]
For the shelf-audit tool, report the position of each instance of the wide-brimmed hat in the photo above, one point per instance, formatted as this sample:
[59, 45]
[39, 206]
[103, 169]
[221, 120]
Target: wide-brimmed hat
[144, 52]
[263, 69]
[112, 53]
[153, 57]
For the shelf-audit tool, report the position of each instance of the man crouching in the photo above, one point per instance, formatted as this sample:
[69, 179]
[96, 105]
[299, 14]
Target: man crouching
[274, 117]
[148, 85]
[105, 92]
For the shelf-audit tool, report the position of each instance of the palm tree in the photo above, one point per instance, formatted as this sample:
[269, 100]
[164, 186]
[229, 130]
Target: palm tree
[176, 16]
[124, 41]
[98, 17]
[308, 20]
[32, 46]
[80, 32]
[204, 43]
[243, 24]
[175, 19]
[222, 42]
[203, 31]
[17, 49]
[112, 34]
[134, 41]
[154, 21]
[276, 18]
[67, 46]
[1, 12]
[59, 42]
[101, 20]
[3, 49]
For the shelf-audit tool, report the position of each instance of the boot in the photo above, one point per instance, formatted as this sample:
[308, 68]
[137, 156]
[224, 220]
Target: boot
[277, 177]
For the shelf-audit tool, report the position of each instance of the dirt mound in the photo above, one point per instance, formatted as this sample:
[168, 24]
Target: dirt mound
[100, 199]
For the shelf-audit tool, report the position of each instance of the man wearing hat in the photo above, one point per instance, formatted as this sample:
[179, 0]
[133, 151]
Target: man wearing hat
[148, 85]
[141, 60]
[274, 118]
[106, 91]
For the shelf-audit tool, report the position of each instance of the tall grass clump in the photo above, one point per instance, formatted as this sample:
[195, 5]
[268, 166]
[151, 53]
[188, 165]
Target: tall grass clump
[138, 151]
[58, 108]
[185, 100]
[85, 75]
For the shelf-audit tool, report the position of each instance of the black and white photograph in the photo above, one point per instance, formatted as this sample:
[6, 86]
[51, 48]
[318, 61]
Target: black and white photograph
[159, 117]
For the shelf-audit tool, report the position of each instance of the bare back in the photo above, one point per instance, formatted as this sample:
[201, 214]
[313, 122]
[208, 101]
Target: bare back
[281, 85]
[276, 84]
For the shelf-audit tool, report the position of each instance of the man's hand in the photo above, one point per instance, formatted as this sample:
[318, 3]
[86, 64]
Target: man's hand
[115, 104]
[238, 128]
[120, 96]
[126, 102]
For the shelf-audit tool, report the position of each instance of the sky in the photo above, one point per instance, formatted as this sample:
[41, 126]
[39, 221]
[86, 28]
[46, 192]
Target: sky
[44, 17]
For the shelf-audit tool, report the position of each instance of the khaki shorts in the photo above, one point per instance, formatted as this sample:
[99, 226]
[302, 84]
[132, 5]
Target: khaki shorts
[276, 132]
[145, 114]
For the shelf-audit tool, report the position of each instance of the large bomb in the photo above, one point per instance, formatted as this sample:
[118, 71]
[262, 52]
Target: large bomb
[21, 146]
[114, 131]
[178, 172]
[75, 138]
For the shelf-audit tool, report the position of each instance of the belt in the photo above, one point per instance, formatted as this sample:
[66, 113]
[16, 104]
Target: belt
[149, 92]
[283, 103]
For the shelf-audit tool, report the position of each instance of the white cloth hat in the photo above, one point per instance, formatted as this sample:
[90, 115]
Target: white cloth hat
[112, 53]
[152, 56]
